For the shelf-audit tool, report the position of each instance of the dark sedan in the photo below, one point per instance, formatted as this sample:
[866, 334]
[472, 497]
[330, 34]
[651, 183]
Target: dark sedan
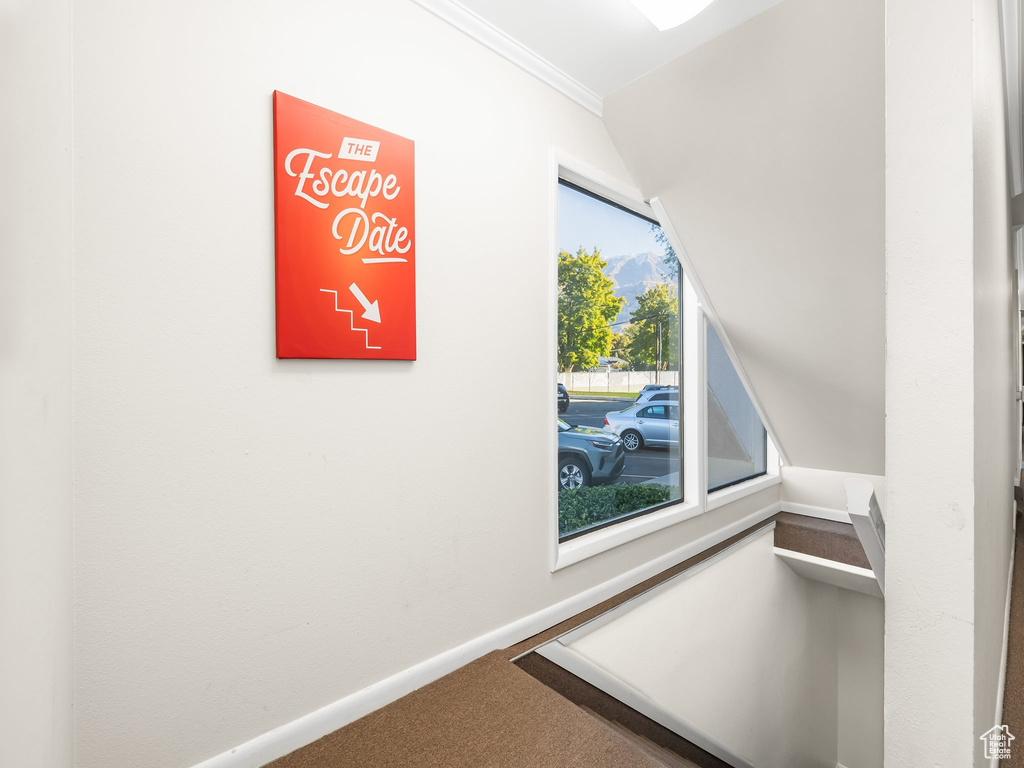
[563, 398]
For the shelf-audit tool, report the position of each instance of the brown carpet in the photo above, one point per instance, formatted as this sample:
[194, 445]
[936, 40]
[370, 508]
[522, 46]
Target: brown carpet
[489, 714]
[822, 538]
[492, 714]
[668, 757]
[1013, 694]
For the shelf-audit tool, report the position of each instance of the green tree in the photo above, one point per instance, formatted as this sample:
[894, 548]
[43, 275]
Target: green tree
[654, 327]
[620, 347]
[586, 305]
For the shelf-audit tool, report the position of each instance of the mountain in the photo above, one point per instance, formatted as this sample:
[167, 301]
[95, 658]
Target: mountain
[633, 274]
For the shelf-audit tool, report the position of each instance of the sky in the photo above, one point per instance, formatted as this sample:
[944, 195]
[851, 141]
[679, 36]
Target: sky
[583, 220]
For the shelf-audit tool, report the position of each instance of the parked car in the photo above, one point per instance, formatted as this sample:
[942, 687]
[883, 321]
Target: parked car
[660, 395]
[649, 387]
[563, 398]
[650, 424]
[588, 456]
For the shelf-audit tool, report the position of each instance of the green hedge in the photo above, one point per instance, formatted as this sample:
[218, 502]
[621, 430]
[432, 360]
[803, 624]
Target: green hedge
[583, 507]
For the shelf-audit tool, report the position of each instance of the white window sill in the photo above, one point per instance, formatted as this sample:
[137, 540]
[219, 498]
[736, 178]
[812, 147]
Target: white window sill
[741, 490]
[602, 540]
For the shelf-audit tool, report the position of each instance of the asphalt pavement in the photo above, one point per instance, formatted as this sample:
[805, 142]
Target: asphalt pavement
[646, 463]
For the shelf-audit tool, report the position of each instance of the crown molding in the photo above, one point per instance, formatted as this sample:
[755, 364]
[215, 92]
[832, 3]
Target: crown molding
[481, 30]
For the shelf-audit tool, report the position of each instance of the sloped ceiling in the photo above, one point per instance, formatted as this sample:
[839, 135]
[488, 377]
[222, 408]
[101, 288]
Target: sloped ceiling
[766, 147]
[603, 44]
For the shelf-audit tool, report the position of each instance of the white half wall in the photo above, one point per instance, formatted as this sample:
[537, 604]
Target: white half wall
[745, 651]
[256, 539]
[785, 650]
[766, 148]
[860, 687]
[35, 384]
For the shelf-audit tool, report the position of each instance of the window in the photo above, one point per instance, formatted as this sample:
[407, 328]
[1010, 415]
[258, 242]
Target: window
[654, 423]
[618, 348]
[737, 440]
[654, 412]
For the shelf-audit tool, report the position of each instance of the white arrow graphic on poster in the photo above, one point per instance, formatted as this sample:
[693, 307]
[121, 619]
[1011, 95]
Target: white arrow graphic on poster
[372, 312]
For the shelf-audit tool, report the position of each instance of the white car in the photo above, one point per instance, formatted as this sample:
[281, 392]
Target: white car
[662, 395]
[647, 423]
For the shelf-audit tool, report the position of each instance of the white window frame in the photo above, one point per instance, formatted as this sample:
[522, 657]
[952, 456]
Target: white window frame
[773, 461]
[695, 314]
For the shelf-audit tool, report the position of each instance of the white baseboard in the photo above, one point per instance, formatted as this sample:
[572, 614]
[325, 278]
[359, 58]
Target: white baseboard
[305, 730]
[809, 510]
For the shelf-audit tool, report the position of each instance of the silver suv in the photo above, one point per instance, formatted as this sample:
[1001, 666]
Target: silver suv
[588, 456]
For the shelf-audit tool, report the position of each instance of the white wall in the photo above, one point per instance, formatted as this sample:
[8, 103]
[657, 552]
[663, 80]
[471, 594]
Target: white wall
[258, 538]
[35, 384]
[745, 651]
[766, 146]
[949, 378]
[996, 425]
[822, 488]
[860, 684]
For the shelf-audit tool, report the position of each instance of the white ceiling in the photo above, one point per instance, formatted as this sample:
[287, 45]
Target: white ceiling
[605, 44]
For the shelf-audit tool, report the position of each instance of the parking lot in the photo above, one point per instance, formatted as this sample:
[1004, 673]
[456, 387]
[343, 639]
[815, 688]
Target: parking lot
[645, 464]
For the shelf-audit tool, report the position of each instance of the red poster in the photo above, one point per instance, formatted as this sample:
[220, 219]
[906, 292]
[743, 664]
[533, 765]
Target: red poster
[345, 232]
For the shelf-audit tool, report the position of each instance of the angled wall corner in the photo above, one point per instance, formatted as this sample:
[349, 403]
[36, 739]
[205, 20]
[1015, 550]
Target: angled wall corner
[766, 148]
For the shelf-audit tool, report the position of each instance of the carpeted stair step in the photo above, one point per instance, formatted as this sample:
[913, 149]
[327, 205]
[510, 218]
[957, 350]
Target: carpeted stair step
[667, 757]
